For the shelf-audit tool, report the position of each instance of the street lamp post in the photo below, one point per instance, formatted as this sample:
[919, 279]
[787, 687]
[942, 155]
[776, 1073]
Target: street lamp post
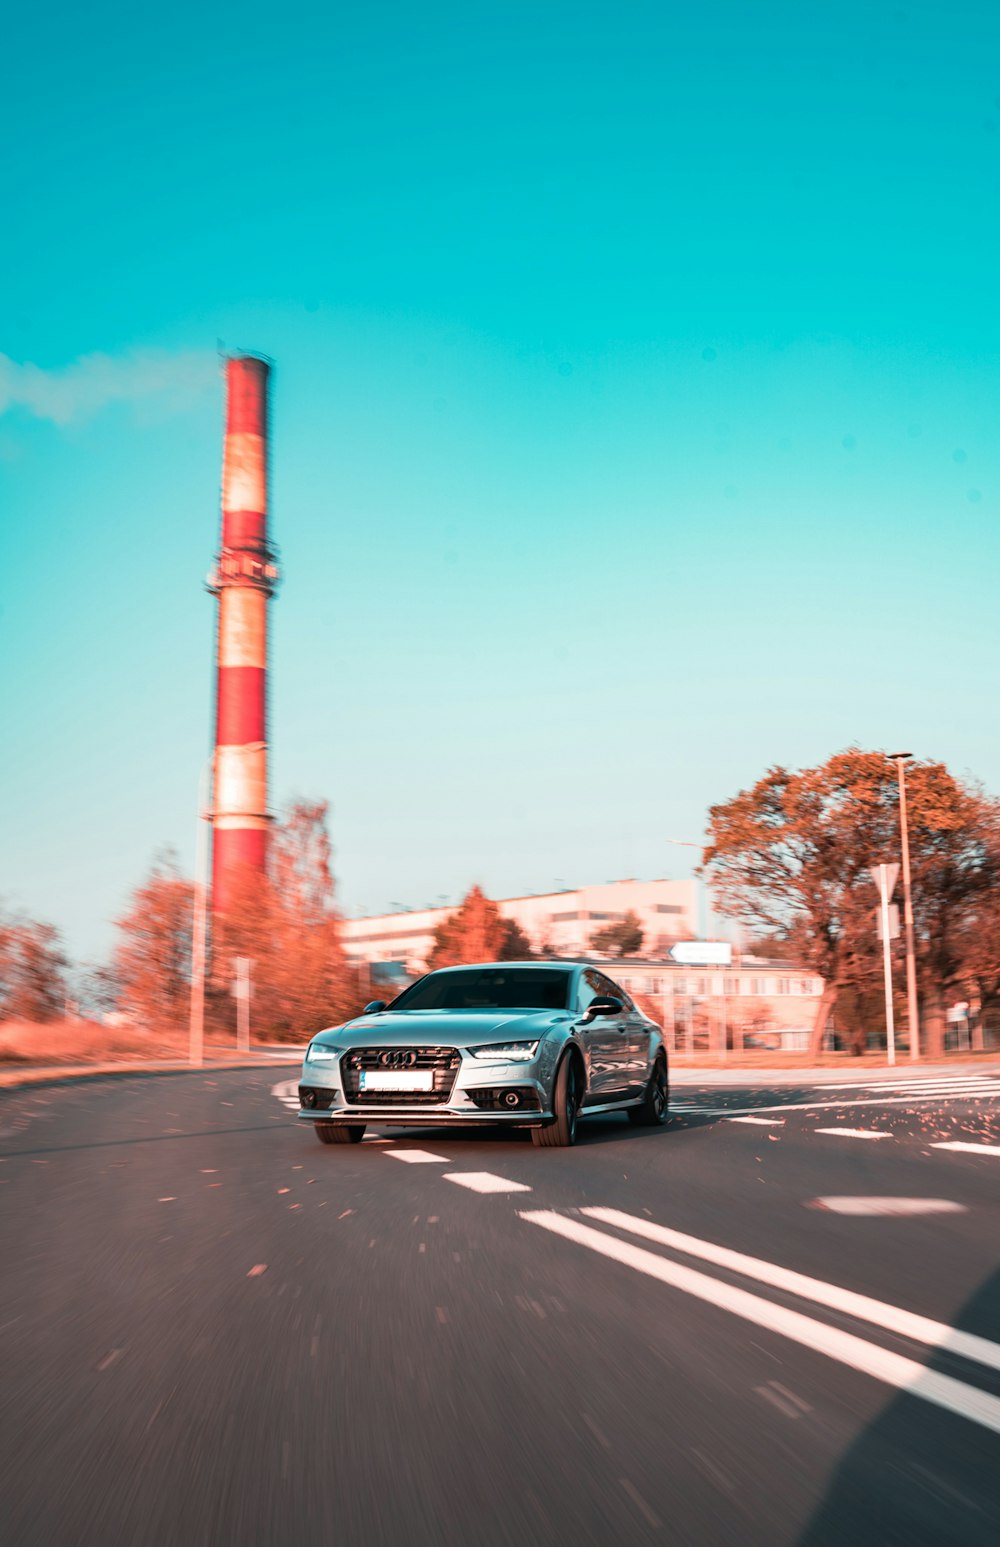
[199, 927]
[912, 1006]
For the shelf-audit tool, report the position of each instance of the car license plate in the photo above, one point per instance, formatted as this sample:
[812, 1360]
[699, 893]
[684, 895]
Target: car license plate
[397, 1079]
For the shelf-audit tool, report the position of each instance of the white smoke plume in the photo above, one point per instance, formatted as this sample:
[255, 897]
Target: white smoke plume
[73, 392]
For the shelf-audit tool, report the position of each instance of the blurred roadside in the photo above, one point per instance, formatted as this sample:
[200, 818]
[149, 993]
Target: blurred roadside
[32, 1053]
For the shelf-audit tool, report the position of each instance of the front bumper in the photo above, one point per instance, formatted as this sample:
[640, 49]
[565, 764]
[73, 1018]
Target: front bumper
[426, 1117]
[477, 1093]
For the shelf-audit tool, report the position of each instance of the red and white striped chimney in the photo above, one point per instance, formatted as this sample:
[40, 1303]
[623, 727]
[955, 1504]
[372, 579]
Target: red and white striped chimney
[244, 581]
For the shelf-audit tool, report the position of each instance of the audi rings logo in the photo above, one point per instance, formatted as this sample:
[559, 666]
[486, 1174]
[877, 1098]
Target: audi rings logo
[397, 1058]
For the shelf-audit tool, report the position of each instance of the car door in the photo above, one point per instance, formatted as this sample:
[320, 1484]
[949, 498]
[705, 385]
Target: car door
[622, 1039]
[599, 1038]
[604, 1041]
[636, 1038]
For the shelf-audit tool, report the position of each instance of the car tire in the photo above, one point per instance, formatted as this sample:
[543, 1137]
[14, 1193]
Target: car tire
[566, 1103]
[339, 1133]
[654, 1109]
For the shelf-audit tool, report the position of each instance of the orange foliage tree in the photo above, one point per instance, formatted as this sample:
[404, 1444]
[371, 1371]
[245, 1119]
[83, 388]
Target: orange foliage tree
[152, 959]
[477, 932]
[791, 857]
[32, 970]
[287, 924]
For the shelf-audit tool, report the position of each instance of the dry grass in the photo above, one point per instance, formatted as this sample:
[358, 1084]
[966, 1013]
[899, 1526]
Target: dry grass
[84, 1042]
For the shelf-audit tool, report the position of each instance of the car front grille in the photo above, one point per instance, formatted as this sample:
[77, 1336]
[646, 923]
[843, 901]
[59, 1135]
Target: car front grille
[442, 1061]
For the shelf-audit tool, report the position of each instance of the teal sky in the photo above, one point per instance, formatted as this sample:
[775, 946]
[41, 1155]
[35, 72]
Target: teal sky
[636, 420]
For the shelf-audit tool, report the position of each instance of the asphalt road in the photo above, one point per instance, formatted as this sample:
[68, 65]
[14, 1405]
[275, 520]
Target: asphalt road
[215, 1331]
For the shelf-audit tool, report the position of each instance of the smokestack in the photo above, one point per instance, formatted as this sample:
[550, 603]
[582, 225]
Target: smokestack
[244, 580]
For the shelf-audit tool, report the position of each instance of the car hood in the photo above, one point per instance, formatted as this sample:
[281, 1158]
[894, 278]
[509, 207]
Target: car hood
[437, 1028]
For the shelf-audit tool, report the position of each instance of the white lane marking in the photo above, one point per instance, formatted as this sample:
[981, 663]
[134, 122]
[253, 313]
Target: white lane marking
[855, 1133]
[765, 1122]
[418, 1157]
[881, 1364]
[484, 1181]
[891, 1206]
[922, 1329]
[944, 1082]
[969, 1149]
[821, 1106]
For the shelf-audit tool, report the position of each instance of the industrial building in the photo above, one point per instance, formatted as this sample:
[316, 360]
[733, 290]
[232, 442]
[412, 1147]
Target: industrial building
[562, 923]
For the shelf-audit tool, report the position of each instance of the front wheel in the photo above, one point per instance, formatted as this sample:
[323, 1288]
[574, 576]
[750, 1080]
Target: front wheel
[339, 1133]
[654, 1109]
[566, 1104]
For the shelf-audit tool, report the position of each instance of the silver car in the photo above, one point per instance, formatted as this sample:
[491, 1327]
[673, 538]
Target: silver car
[530, 1044]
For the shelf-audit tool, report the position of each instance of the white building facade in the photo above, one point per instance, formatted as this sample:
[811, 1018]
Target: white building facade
[563, 923]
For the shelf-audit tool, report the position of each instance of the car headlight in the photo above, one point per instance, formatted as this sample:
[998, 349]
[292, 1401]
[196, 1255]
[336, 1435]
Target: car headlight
[506, 1052]
[317, 1054]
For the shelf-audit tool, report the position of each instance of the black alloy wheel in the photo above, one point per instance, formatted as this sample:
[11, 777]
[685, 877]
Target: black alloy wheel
[654, 1109]
[566, 1103]
[339, 1133]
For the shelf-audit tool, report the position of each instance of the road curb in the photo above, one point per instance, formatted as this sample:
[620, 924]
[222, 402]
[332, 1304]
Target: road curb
[67, 1074]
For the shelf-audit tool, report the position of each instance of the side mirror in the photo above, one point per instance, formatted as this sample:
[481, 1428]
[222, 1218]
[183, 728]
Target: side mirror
[373, 1008]
[603, 1005]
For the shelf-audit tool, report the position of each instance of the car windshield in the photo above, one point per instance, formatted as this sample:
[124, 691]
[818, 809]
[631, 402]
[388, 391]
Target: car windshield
[489, 988]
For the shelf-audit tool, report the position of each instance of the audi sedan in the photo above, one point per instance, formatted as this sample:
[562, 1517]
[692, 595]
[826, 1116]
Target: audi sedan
[525, 1044]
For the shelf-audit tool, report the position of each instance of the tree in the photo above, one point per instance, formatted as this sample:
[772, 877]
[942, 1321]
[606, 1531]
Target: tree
[515, 946]
[477, 932]
[152, 961]
[622, 938]
[32, 970]
[791, 858]
[286, 922]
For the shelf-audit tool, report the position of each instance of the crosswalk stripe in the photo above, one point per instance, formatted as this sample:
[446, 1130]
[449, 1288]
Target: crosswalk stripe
[949, 1082]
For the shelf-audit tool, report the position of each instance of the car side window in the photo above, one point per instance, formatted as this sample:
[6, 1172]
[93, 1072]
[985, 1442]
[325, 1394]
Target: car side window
[612, 989]
[587, 990]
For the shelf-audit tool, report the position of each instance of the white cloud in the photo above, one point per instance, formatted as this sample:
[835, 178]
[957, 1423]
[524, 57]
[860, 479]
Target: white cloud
[76, 391]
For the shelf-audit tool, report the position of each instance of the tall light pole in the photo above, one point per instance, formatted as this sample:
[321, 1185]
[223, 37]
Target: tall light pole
[912, 1007]
[199, 926]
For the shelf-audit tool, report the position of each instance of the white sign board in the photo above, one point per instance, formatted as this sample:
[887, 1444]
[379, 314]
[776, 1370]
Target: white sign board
[885, 876]
[702, 953]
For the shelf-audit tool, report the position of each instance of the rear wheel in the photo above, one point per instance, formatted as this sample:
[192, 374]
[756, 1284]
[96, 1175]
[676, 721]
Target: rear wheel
[654, 1109]
[566, 1102]
[339, 1133]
